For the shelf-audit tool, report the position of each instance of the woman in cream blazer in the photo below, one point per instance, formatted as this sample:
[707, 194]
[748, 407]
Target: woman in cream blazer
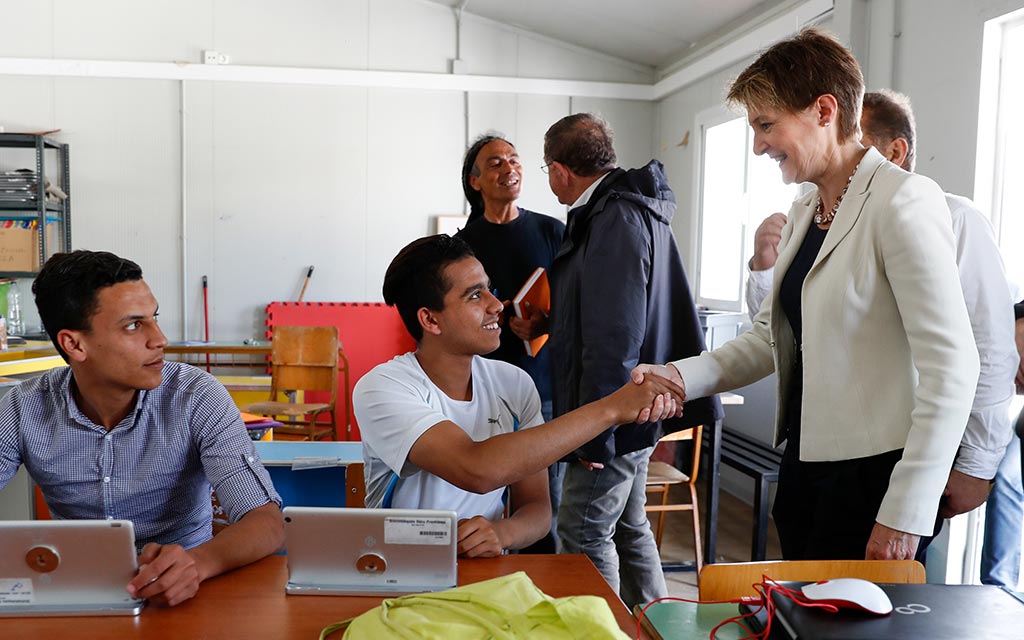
[887, 360]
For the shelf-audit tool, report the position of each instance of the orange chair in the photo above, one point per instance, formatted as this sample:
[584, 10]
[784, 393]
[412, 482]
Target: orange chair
[728, 580]
[302, 359]
[661, 476]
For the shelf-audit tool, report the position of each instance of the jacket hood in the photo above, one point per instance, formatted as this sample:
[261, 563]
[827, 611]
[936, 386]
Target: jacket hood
[648, 187]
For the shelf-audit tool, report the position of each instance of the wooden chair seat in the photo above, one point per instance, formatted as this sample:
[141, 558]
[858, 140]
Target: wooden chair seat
[270, 408]
[664, 473]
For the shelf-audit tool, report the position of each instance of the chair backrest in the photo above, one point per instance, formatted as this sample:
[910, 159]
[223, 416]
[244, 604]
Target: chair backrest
[692, 433]
[728, 580]
[304, 358]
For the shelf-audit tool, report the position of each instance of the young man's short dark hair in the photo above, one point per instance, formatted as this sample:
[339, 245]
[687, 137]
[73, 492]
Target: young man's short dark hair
[67, 286]
[415, 278]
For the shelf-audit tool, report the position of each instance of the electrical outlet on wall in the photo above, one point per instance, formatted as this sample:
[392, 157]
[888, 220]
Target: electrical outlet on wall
[215, 57]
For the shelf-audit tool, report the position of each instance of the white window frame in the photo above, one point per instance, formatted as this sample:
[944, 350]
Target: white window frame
[705, 120]
[993, 113]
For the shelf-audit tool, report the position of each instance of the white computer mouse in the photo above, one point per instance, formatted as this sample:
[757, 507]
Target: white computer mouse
[850, 593]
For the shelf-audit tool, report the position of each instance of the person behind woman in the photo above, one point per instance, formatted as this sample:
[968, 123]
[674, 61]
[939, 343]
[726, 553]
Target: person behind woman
[866, 326]
[511, 243]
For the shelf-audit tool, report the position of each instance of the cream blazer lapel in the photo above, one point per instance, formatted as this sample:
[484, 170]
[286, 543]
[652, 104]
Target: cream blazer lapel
[851, 206]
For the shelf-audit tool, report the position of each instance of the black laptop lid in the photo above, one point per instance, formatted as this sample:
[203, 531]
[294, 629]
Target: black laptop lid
[933, 611]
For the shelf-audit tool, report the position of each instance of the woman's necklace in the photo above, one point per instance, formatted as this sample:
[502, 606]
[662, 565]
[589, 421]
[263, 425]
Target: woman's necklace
[822, 218]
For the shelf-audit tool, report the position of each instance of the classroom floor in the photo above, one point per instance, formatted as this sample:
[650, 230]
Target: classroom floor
[735, 519]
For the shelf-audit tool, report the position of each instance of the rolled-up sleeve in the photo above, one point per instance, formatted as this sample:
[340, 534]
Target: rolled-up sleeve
[986, 293]
[229, 457]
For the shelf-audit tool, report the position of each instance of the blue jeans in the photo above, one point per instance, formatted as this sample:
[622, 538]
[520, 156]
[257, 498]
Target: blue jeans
[602, 515]
[555, 473]
[1000, 554]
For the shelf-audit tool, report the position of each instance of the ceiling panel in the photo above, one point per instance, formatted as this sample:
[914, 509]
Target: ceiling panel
[650, 32]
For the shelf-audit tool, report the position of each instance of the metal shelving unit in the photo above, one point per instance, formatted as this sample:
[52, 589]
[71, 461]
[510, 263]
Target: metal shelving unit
[40, 210]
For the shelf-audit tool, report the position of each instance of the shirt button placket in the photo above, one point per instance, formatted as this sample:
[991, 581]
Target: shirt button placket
[106, 464]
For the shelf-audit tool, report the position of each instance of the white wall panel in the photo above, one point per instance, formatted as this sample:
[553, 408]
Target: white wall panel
[493, 112]
[488, 49]
[150, 30]
[201, 191]
[939, 67]
[27, 103]
[410, 36]
[535, 114]
[29, 31]
[413, 166]
[289, 191]
[125, 164]
[310, 33]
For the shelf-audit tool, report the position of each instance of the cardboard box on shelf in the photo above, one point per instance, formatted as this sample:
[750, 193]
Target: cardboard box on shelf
[19, 245]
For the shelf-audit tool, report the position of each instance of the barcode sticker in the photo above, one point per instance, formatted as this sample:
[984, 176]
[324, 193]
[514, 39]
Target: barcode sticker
[434, 531]
[16, 591]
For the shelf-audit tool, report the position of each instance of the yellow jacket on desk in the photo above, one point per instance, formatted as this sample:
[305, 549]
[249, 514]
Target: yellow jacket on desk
[506, 608]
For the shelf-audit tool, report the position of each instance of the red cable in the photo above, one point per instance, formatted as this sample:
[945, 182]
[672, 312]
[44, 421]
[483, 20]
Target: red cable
[764, 589]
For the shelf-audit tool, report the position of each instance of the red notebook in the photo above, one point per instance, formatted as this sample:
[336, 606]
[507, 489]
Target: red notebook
[537, 292]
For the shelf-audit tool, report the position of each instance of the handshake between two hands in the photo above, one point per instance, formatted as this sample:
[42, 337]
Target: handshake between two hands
[658, 390]
[655, 392]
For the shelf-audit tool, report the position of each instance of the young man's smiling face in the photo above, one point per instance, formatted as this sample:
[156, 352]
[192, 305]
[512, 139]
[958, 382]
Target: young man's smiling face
[469, 322]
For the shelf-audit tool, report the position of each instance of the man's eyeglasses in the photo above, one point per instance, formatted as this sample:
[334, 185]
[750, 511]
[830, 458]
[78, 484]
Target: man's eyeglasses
[545, 167]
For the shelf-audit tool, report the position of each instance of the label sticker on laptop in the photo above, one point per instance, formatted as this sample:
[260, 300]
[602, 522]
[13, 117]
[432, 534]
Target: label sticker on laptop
[417, 531]
[16, 591]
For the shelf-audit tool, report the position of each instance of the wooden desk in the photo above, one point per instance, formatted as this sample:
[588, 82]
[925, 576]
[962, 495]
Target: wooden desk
[251, 603]
[220, 354]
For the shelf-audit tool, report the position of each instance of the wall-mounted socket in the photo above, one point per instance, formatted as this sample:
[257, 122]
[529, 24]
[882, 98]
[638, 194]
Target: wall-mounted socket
[215, 57]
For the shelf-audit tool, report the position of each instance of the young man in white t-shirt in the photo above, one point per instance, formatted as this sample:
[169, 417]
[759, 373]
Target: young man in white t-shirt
[444, 428]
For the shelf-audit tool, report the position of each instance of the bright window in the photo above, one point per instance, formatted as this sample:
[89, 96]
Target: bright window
[998, 187]
[735, 191]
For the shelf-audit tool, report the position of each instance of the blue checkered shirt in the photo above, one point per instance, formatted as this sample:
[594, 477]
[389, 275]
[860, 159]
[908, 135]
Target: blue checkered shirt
[155, 468]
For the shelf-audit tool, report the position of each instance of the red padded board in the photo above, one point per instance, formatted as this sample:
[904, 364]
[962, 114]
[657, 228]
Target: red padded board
[370, 333]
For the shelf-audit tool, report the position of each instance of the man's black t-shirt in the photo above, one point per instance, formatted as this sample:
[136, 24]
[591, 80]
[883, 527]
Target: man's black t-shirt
[510, 253]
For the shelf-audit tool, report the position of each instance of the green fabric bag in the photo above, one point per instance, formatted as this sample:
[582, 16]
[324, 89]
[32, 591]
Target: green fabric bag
[506, 608]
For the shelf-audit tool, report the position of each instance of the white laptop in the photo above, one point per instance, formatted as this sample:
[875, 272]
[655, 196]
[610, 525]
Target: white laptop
[67, 568]
[373, 552]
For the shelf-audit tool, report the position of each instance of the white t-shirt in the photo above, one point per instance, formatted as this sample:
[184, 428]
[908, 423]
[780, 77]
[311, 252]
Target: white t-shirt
[395, 403]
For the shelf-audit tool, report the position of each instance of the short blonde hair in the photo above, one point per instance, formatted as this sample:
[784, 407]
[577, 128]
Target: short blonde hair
[791, 74]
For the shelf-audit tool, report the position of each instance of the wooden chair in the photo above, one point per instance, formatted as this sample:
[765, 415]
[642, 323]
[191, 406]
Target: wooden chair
[725, 581]
[661, 476]
[302, 359]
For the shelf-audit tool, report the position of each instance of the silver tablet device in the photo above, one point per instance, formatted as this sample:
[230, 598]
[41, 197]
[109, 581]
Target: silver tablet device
[67, 568]
[350, 551]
